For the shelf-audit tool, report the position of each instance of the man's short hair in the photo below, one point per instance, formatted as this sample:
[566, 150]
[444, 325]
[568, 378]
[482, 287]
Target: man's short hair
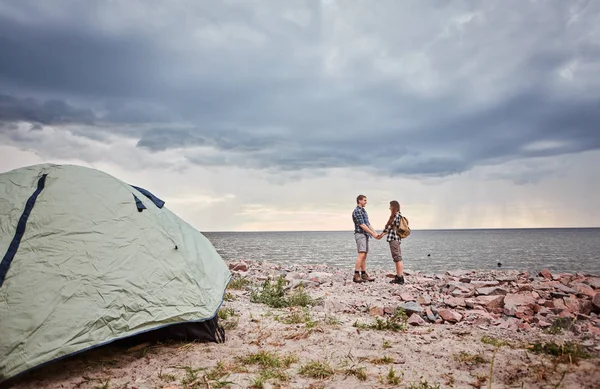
[360, 197]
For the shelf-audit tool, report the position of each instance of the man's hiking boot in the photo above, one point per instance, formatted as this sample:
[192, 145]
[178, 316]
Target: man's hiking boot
[365, 277]
[398, 280]
[357, 278]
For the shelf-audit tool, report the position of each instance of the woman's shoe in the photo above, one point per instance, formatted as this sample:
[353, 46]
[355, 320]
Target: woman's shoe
[398, 280]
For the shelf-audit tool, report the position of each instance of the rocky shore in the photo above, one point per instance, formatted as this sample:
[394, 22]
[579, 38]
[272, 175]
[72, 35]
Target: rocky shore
[509, 299]
[312, 327]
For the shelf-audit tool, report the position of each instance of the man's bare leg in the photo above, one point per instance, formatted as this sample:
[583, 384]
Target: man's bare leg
[360, 259]
[363, 268]
[361, 262]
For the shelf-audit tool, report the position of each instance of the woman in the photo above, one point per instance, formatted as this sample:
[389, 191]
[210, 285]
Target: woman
[391, 229]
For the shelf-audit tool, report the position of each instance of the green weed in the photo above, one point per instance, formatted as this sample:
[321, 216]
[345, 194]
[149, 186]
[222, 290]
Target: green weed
[358, 372]
[565, 353]
[393, 378]
[470, 359]
[275, 296]
[317, 369]
[385, 360]
[493, 341]
[238, 283]
[423, 384]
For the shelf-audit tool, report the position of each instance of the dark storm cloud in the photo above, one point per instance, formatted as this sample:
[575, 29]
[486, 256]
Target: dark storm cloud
[297, 87]
[14, 109]
[159, 139]
[62, 59]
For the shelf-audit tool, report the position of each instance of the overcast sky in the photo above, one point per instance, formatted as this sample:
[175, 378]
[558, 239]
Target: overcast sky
[275, 115]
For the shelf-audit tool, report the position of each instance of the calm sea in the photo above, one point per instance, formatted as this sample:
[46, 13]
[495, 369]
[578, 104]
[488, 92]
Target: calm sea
[430, 251]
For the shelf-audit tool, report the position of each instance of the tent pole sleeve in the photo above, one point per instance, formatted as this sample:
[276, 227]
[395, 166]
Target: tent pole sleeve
[20, 231]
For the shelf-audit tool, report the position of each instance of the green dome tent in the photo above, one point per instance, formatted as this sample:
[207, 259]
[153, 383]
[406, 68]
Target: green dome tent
[87, 259]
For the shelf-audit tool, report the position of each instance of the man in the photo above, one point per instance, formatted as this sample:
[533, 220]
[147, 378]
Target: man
[362, 230]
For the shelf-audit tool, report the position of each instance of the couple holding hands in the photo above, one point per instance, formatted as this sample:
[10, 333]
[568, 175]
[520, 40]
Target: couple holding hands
[362, 230]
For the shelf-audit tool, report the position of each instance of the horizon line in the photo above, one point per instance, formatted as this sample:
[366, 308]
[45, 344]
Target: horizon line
[423, 229]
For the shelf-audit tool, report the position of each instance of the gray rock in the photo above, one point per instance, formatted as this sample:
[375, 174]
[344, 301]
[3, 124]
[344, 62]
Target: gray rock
[456, 273]
[483, 284]
[432, 317]
[564, 288]
[411, 307]
[491, 291]
[594, 282]
[507, 279]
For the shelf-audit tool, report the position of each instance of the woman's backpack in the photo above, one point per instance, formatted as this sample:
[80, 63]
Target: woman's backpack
[404, 230]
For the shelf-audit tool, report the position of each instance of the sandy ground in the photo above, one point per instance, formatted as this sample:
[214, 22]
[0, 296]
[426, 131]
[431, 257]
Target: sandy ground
[326, 349]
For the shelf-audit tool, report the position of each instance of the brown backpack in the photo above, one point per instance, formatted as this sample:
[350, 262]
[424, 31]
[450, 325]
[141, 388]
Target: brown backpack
[404, 230]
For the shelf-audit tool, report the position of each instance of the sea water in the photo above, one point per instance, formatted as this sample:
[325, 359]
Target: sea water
[569, 250]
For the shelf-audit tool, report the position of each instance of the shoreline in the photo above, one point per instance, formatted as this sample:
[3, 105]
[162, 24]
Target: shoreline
[461, 329]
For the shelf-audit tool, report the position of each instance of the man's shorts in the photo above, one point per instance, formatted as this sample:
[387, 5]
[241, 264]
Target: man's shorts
[396, 251]
[362, 242]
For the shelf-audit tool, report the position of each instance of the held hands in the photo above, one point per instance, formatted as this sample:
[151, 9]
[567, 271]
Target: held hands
[378, 236]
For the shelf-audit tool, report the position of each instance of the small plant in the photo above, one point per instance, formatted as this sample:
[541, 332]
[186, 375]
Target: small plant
[229, 297]
[560, 324]
[262, 358]
[103, 385]
[267, 374]
[216, 375]
[423, 384]
[301, 299]
[400, 315]
[274, 295]
[166, 377]
[258, 383]
[226, 313]
[493, 341]
[396, 322]
[385, 360]
[230, 324]
[229, 317]
[271, 366]
[470, 359]
[385, 345]
[382, 325]
[289, 359]
[565, 353]
[317, 369]
[332, 321]
[191, 375]
[268, 359]
[299, 317]
[358, 372]
[238, 283]
[393, 378]
[216, 372]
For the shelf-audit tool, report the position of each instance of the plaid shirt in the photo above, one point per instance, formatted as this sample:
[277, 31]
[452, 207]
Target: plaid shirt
[391, 231]
[359, 216]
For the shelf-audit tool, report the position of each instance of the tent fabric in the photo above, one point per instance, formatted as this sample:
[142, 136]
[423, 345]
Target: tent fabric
[90, 268]
[16, 240]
